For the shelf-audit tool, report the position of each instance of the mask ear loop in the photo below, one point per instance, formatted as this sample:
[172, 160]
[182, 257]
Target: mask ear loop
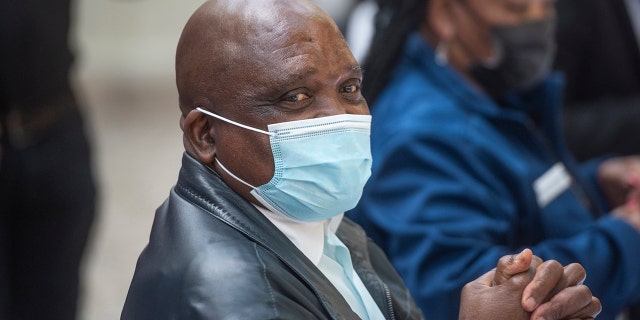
[233, 122]
[239, 125]
[233, 175]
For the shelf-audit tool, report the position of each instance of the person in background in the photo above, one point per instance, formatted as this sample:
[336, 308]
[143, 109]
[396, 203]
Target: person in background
[47, 190]
[338, 10]
[599, 54]
[469, 159]
[276, 137]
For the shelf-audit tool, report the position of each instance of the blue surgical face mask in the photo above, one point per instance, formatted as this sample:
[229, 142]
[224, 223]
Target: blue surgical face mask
[321, 165]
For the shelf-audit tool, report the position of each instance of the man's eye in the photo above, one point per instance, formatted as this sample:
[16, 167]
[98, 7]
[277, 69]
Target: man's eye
[296, 97]
[350, 88]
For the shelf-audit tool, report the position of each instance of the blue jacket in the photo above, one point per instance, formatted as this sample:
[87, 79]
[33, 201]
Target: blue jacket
[452, 188]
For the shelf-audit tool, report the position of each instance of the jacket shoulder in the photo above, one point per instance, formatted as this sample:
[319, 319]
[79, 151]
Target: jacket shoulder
[198, 267]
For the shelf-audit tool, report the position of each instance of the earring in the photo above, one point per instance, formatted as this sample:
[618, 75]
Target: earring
[441, 54]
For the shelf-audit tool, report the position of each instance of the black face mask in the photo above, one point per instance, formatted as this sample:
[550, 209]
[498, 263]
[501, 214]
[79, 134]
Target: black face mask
[525, 56]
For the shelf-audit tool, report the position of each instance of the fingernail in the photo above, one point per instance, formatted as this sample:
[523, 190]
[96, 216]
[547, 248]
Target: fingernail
[516, 257]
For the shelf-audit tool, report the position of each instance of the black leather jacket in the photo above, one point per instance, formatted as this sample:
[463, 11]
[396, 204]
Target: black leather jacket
[213, 255]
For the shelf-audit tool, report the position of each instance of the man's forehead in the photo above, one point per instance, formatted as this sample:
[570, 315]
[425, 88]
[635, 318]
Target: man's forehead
[237, 44]
[298, 43]
[289, 67]
[257, 12]
[261, 25]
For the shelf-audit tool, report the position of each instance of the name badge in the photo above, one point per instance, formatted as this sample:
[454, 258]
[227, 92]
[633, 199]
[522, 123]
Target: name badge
[551, 184]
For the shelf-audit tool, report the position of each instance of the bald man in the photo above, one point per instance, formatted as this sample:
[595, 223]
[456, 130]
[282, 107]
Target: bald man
[276, 135]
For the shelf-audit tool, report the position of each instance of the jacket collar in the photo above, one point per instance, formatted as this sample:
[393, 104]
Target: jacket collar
[205, 189]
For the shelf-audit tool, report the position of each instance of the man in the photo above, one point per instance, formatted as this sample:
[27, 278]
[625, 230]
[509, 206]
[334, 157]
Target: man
[276, 135]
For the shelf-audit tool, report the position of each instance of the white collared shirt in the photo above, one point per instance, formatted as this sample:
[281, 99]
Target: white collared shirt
[318, 242]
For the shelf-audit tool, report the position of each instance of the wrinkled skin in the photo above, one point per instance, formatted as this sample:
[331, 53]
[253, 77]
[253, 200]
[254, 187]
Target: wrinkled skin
[259, 63]
[271, 61]
[525, 287]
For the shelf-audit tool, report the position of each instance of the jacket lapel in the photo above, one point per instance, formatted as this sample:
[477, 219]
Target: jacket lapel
[212, 194]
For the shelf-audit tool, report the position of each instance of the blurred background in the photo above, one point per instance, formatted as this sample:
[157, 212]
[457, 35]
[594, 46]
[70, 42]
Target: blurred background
[124, 76]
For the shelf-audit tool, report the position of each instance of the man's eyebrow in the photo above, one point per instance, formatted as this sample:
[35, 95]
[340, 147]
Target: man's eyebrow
[357, 68]
[288, 80]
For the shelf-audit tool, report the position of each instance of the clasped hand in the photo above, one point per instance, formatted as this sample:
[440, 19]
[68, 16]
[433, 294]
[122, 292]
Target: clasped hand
[522, 286]
[619, 179]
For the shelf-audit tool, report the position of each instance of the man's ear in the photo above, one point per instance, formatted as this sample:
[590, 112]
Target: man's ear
[199, 136]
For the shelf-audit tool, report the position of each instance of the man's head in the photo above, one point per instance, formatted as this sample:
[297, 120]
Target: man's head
[259, 63]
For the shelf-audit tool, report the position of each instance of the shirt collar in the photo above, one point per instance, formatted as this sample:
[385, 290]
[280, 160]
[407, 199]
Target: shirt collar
[308, 237]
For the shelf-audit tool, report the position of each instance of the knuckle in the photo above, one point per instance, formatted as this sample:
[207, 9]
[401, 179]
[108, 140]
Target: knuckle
[584, 290]
[577, 268]
[551, 269]
[536, 260]
[553, 264]
[506, 260]
[555, 311]
[576, 274]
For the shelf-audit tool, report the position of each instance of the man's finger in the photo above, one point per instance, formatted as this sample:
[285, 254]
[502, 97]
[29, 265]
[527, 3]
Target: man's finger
[485, 280]
[508, 266]
[548, 276]
[574, 274]
[573, 302]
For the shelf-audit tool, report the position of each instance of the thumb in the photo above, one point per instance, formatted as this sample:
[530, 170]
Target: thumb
[508, 266]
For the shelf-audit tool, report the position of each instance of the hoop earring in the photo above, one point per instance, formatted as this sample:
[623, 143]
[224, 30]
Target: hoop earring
[441, 54]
